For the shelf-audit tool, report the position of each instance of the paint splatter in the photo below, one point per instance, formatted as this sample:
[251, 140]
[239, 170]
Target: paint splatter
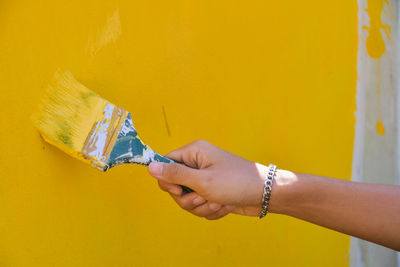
[109, 33]
[375, 42]
[376, 47]
[380, 129]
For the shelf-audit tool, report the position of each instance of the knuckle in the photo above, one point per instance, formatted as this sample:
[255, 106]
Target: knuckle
[162, 185]
[200, 143]
[206, 180]
[184, 204]
[207, 212]
[215, 207]
[202, 212]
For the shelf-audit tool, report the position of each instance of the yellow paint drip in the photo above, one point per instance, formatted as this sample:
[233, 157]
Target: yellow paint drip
[380, 129]
[375, 45]
[375, 42]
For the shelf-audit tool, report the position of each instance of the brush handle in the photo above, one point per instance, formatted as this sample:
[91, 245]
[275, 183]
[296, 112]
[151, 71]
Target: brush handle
[130, 148]
[160, 158]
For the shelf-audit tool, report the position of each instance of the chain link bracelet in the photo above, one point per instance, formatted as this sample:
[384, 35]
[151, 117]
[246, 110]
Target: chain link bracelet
[267, 190]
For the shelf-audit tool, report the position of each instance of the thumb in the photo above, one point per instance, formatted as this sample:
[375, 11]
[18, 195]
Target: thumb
[174, 173]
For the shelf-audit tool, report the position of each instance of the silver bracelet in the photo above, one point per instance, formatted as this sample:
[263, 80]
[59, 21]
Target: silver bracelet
[267, 190]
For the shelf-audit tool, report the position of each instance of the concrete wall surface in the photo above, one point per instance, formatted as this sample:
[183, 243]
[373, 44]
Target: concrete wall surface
[376, 145]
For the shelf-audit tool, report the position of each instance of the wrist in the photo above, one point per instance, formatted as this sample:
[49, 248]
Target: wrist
[283, 190]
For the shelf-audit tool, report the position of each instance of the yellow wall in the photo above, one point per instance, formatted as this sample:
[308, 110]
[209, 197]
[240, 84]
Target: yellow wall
[268, 80]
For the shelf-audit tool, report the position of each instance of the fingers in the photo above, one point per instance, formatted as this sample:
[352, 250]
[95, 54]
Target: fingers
[225, 210]
[195, 204]
[212, 211]
[195, 154]
[198, 157]
[200, 207]
[180, 155]
[170, 188]
[206, 209]
[189, 201]
[174, 173]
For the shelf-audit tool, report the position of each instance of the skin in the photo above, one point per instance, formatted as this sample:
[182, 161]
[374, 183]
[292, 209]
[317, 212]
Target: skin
[226, 183]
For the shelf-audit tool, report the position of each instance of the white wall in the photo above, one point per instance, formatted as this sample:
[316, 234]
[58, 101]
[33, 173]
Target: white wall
[376, 155]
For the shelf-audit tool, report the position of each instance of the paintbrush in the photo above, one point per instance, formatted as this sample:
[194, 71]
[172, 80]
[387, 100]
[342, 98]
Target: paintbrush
[90, 128]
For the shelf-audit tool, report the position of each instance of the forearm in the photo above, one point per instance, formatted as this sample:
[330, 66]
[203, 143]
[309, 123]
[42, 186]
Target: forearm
[367, 211]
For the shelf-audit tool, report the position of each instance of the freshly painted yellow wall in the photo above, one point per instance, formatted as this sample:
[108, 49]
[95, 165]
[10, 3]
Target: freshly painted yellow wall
[273, 81]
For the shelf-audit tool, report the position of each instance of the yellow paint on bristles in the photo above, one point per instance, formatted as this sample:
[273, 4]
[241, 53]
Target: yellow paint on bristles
[67, 113]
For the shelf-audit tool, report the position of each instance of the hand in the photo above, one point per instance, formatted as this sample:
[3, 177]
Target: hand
[225, 183]
[222, 181]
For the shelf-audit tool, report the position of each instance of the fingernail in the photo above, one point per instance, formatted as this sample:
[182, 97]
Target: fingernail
[155, 169]
[198, 200]
[214, 206]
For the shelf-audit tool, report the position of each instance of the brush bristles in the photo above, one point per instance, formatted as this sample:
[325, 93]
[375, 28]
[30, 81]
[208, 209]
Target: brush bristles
[67, 113]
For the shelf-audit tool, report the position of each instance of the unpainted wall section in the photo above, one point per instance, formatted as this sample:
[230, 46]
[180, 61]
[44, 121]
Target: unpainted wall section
[376, 153]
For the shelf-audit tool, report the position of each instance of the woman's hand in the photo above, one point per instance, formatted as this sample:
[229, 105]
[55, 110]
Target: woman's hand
[222, 181]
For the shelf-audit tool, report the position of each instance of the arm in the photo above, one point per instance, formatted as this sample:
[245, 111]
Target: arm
[367, 211]
[225, 183]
